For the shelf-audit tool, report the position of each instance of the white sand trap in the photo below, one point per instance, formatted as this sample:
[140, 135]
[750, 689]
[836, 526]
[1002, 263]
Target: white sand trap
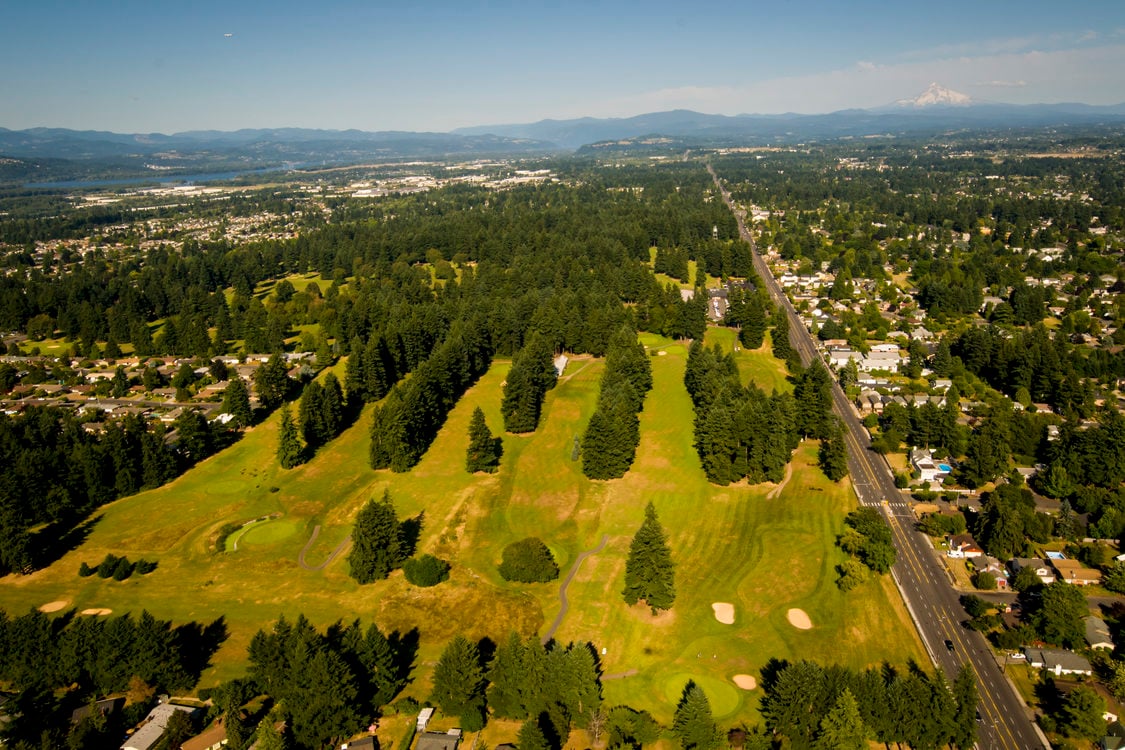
[98, 611]
[54, 606]
[745, 681]
[724, 612]
[799, 619]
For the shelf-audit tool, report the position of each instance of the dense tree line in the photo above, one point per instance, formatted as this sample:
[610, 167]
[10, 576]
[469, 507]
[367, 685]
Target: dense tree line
[333, 683]
[52, 471]
[613, 433]
[551, 687]
[813, 706]
[532, 374]
[405, 424]
[58, 664]
[739, 432]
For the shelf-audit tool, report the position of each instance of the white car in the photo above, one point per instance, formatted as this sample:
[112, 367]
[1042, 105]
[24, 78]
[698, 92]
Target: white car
[1017, 656]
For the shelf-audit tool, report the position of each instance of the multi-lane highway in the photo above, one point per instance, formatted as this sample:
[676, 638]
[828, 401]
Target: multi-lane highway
[921, 578]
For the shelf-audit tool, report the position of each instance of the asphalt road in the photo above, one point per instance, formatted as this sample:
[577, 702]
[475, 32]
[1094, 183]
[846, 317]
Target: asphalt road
[922, 580]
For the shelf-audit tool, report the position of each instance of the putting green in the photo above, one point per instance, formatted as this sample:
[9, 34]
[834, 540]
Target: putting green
[723, 697]
[268, 532]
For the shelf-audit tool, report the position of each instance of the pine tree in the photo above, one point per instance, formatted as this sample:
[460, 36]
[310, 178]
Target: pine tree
[531, 737]
[753, 331]
[842, 727]
[483, 453]
[649, 573]
[834, 452]
[375, 541]
[692, 723]
[236, 402]
[272, 382]
[458, 679]
[507, 675]
[289, 445]
[780, 335]
[531, 376]
[965, 695]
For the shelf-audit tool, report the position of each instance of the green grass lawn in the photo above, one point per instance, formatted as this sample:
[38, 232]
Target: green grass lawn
[730, 544]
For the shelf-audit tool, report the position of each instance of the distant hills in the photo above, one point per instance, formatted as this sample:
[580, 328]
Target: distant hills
[933, 112]
[43, 154]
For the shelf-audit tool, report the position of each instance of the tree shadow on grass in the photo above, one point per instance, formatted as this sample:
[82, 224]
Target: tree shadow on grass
[198, 643]
[408, 533]
[404, 646]
[56, 539]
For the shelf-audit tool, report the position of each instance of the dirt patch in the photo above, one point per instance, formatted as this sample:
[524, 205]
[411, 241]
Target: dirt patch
[777, 490]
[54, 606]
[724, 612]
[101, 611]
[745, 681]
[799, 619]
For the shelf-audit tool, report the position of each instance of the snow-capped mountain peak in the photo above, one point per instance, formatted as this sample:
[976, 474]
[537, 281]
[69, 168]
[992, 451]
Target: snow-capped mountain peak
[937, 95]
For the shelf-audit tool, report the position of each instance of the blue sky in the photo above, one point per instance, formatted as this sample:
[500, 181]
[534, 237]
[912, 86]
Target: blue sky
[159, 66]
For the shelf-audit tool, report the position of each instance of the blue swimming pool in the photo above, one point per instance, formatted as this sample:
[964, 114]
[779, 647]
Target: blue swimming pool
[945, 467]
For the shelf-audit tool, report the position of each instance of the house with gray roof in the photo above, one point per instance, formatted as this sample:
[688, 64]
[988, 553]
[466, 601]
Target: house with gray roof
[1058, 661]
[1097, 633]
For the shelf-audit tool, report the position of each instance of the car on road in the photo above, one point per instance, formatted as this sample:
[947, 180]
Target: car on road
[948, 644]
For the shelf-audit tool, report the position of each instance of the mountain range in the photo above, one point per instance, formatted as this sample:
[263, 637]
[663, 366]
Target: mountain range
[39, 154]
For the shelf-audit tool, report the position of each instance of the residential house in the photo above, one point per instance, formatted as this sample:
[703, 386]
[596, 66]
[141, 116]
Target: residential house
[1097, 633]
[103, 707]
[963, 546]
[888, 361]
[439, 740]
[988, 564]
[363, 743]
[211, 739]
[149, 734]
[1039, 565]
[1058, 661]
[928, 468]
[1076, 573]
[1114, 738]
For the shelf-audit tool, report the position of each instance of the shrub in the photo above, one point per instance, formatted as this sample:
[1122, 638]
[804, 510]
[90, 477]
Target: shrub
[426, 570]
[985, 581]
[144, 567]
[528, 561]
[107, 566]
[123, 569]
[85, 570]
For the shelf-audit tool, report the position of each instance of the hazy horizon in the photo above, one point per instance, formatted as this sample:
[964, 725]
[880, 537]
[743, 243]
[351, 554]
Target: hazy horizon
[138, 67]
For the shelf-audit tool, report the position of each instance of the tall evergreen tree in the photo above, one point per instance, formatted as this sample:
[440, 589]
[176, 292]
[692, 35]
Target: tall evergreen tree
[375, 541]
[649, 572]
[531, 376]
[288, 445]
[236, 402]
[459, 680]
[753, 331]
[272, 382]
[780, 335]
[842, 728]
[965, 696]
[531, 737]
[834, 452]
[483, 453]
[693, 724]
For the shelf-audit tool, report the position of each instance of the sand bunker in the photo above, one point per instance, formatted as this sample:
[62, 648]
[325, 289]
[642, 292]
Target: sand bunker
[724, 612]
[101, 611]
[745, 681]
[799, 619]
[54, 606]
